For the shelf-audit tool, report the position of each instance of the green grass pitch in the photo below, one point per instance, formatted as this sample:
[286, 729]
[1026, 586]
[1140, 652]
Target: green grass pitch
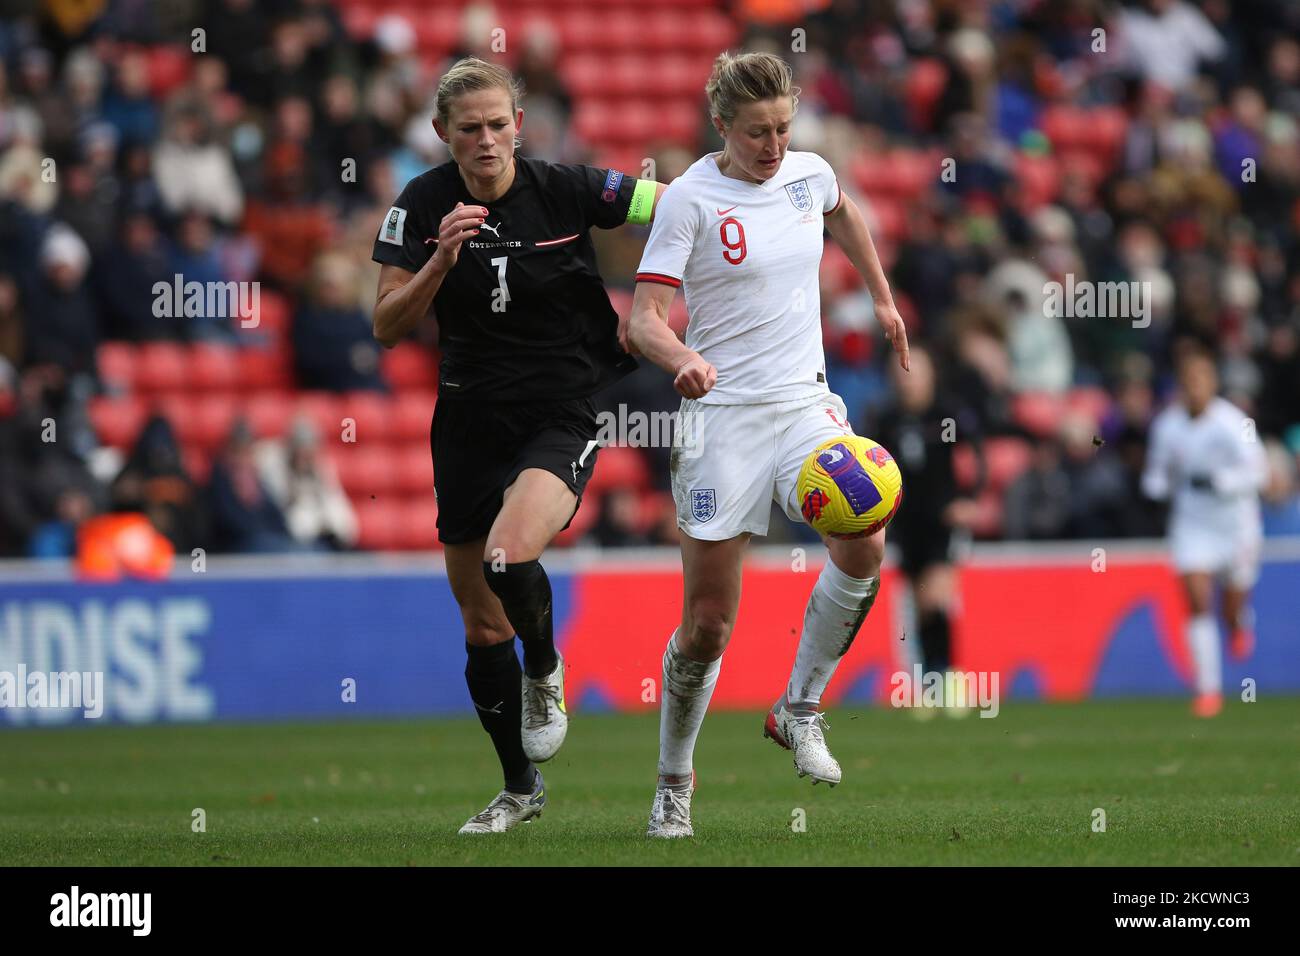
[1017, 789]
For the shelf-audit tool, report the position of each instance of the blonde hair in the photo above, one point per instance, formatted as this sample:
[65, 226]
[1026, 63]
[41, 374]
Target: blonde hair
[747, 78]
[470, 74]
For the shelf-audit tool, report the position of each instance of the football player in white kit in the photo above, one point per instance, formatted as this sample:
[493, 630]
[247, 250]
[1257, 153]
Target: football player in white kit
[1205, 456]
[741, 232]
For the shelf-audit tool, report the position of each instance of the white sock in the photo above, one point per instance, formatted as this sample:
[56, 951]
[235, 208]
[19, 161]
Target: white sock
[687, 689]
[836, 609]
[1203, 641]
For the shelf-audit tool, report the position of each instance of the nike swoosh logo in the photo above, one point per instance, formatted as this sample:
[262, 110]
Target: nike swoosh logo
[723, 212]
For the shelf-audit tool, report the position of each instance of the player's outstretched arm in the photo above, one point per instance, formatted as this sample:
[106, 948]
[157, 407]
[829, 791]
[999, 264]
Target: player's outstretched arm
[659, 191]
[849, 229]
[645, 200]
[1157, 474]
[403, 297]
[647, 333]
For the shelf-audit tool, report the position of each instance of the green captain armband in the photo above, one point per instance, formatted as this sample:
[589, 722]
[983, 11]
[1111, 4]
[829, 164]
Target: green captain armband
[643, 202]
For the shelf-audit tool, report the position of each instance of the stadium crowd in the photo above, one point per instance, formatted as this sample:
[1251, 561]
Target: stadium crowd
[999, 147]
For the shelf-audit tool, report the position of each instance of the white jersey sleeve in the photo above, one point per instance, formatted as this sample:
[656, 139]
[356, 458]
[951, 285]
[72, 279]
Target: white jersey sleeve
[1157, 483]
[1244, 469]
[672, 237]
[829, 189]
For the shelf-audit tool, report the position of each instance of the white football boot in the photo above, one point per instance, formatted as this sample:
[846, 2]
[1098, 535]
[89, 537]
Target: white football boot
[509, 809]
[803, 734]
[670, 813]
[544, 721]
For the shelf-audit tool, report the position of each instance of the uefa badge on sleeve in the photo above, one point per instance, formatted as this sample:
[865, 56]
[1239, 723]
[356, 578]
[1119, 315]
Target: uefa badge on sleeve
[704, 503]
[394, 226]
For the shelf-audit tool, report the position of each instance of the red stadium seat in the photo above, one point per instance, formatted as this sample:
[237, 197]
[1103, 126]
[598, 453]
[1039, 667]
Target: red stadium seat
[965, 467]
[636, 122]
[1066, 127]
[1084, 164]
[380, 524]
[625, 76]
[413, 417]
[117, 365]
[419, 531]
[359, 20]
[655, 505]
[888, 217]
[413, 468]
[924, 85]
[371, 411]
[709, 32]
[273, 315]
[587, 515]
[117, 421]
[408, 365]
[179, 408]
[325, 413]
[662, 33]
[213, 417]
[678, 75]
[1038, 179]
[169, 68]
[988, 520]
[1006, 459]
[213, 367]
[365, 471]
[1039, 413]
[269, 413]
[579, 30]
[584, 74]
[197, 463]
[162, 367]
[1091, 401]
[618, 466]
[679, 122]
[592, 121]
[265, 369]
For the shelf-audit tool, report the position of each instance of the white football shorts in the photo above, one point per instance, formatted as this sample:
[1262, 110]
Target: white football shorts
[1233, 555]
[730, 462]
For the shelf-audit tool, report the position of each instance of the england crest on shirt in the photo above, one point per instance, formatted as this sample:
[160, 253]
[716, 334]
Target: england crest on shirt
[800, 195]
[704, 503]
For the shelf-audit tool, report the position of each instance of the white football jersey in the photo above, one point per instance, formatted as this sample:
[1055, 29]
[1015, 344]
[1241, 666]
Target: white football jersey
[1219, 443]
[747, 257]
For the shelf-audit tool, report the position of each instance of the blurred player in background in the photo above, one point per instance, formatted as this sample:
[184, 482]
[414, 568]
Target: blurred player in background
[921, 431]
[741, 231]
[1204, 455]
[499, 245]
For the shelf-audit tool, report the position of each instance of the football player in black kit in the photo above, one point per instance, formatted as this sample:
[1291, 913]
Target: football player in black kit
[499, 244]
[921, 429]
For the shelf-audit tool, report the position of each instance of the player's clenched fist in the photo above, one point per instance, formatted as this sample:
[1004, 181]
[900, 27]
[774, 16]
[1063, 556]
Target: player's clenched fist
[457, 226]
[695, 377]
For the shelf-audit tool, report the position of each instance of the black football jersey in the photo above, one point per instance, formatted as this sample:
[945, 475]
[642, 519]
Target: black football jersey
[523, 314]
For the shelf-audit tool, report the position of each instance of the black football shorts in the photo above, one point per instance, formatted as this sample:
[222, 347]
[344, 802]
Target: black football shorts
[479, 449]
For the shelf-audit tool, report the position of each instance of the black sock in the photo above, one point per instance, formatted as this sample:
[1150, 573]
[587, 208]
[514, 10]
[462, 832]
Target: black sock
[493, 676]
[936, 640]
[525, 592]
